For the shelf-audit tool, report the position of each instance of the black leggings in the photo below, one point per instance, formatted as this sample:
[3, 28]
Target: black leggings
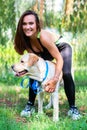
[69, 86]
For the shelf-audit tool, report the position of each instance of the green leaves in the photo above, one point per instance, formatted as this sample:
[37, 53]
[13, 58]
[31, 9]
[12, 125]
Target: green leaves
[81, 15]
[7, 19]
[78, 19]
[72, 18]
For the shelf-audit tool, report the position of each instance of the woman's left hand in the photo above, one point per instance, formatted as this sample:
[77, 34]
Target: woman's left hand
[50, 86]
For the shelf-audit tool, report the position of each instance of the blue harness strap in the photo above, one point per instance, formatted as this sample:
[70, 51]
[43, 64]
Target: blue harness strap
[36, 87]
[46, 71]
[36, 84]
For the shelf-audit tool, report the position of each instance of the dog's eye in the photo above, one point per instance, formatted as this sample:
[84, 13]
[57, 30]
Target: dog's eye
[22, 61]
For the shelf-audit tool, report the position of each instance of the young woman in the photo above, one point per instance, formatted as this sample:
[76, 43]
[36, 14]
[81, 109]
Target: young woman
[30, 37]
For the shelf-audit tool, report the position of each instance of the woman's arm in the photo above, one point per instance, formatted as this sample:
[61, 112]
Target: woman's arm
[47, 39]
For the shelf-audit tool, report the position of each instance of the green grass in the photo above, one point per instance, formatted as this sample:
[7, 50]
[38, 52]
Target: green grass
[13, 99]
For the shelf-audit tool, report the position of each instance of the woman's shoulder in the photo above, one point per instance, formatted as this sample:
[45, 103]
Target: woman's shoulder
[44, 34]
[45, 31]
[49, 35]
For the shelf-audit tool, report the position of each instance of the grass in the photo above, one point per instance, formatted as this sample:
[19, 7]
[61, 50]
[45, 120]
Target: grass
[13, 99]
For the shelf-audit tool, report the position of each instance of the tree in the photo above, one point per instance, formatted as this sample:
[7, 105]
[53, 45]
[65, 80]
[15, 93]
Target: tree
[69, 7]
[75, 16]
[7, 20]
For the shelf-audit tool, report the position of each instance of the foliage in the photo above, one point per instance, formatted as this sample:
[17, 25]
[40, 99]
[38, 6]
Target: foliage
[8, 56]
[7, 20]
[80, 49]
[11, 10]
[77, 21]
[53, 21]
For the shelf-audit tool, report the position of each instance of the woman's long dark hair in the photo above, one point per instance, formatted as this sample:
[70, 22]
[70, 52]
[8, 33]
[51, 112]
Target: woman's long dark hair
[20, 41]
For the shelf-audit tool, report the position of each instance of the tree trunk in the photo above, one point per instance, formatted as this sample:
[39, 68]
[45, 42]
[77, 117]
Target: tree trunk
[35, 7]
[41, 8]
[69, 7]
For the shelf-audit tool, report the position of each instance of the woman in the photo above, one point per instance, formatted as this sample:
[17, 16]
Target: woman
[30, 37]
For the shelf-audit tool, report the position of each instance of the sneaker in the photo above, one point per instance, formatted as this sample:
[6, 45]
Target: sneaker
[28, 110]
[74, 113]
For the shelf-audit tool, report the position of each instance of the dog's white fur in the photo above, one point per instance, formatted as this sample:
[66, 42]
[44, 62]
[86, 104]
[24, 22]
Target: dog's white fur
[36, 69]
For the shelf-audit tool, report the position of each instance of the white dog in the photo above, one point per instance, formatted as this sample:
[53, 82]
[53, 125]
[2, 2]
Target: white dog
[41, 70]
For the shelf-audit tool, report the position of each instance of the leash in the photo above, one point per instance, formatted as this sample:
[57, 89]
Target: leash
[36, 84]
[46, 71]
[25, 82]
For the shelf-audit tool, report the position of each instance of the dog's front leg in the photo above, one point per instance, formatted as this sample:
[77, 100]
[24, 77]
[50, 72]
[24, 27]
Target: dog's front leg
[55, 98]
[50, 104]
[40, 102]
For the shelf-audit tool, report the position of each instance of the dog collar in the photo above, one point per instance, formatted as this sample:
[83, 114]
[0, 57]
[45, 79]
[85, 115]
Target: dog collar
[46, 71]
[35, 84]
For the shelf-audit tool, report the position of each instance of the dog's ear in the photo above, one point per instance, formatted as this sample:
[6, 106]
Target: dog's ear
[32, 59]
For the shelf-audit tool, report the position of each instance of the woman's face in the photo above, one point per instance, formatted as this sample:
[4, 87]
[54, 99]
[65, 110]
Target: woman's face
[29, 25]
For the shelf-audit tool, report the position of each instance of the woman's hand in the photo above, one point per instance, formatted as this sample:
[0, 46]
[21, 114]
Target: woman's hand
[51, 85]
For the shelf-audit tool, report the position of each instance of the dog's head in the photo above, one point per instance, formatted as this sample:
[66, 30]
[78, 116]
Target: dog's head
[27, 61]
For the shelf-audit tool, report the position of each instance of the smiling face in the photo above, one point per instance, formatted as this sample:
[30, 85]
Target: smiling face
[29, 25]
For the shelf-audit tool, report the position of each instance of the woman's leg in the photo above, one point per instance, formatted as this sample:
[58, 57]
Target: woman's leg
[69, 86]
[29, 108]
[32, 95]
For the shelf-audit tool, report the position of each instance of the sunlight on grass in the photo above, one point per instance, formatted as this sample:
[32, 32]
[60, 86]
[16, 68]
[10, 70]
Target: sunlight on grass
[14, 98]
